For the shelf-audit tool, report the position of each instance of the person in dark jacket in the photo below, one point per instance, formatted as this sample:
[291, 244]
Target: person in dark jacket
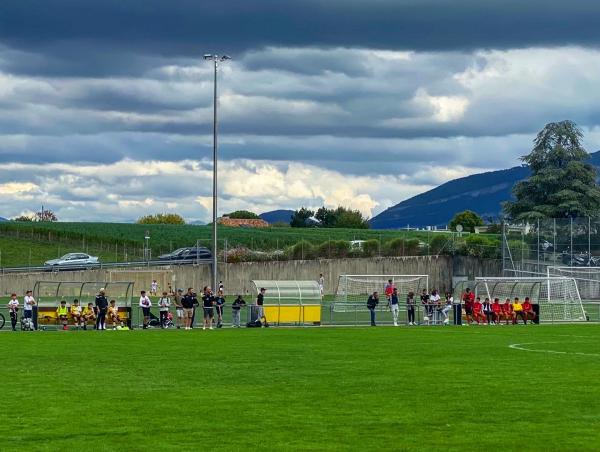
[372, 303]
[102, 307]
[410, 308]
[219, 306]
[236, 307]
[189, 302]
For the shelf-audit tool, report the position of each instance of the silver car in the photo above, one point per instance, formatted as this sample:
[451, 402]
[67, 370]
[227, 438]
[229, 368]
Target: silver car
[72, 261]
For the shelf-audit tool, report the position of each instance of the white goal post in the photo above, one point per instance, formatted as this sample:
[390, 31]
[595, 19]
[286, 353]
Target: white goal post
[353, 290]
[588, 279]
[558, 297]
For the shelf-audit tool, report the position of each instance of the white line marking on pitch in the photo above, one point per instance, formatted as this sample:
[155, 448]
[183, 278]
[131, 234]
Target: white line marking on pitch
[554, 352]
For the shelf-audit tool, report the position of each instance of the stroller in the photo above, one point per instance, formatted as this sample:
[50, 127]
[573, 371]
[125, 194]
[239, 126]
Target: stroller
[26, 324]
[155, 321]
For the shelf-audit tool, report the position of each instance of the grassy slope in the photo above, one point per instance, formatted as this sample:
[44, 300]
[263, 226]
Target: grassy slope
[16, 252]
[90, 237]
[359, 389]
[186, 235]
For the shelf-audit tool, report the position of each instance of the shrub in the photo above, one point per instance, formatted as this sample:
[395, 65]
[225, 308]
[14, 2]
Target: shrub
[481, 246]
[334, 249]
[370, 248]
[301, 250]
[441, 244]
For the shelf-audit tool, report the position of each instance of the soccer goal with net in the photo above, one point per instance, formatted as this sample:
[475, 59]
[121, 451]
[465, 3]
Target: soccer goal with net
[353, 290]
[587, 278]
[557, 297]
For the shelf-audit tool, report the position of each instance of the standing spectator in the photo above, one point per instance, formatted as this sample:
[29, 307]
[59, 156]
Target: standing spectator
[88, 314]
[221, 287]
[236, 307]
[447, 308]
[29, 304]
[468, 299]
[76, 313]
[434, 301]
[102, 307]
[145, 304]
[410, 308]
[13, 308]
[372, 303]
[425, 304]
[260, 301]
[196, 304]
[219, 305]
[163, 308]
[388, 289]
[170, 290]
[321, 285]
[179, 309]
[188, 302]
[208, 302]
[62, 314]
[153, 287]
[394, 307]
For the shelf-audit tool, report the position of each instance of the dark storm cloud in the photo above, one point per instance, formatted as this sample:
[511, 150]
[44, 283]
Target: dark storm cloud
[84, 36]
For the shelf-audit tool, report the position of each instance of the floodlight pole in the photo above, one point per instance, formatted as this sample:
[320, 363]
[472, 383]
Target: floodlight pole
[215, 59]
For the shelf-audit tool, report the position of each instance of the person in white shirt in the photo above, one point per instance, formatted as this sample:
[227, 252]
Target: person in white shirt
[13, 308]
[28, 307]
[322, 284]
[434, 301]
[447, 308]
[163, 307]
[145, 304]
[153, 287]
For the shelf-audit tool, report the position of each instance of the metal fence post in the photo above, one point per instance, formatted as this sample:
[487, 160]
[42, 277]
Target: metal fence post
[538, 245]
[571, 246]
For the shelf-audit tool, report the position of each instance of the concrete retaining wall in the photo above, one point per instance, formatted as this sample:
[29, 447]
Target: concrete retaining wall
[237, 277]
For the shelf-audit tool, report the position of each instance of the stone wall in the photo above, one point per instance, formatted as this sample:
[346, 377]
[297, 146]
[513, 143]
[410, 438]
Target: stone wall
[237, 277]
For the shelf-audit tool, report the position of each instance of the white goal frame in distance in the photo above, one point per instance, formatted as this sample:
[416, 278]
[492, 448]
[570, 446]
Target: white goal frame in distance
[542, 300]
[342, 299]
[589, 289]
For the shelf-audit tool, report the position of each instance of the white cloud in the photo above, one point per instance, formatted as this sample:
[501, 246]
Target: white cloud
[359, 127]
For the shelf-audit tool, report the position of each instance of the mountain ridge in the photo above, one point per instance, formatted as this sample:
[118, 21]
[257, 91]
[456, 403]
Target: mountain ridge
[482, 193]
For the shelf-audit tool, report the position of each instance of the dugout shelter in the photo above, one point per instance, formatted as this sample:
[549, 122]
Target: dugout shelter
[48, 295]
[290, 302]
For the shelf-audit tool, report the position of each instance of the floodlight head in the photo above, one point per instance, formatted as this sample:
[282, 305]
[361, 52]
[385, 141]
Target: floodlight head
[208, 56]
[225, 57]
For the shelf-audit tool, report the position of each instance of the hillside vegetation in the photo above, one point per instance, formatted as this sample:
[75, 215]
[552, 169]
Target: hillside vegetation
[118, 242]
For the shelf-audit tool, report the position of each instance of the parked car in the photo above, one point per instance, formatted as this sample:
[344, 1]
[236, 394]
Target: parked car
[187, 254]
[72, 261]
[174, 255]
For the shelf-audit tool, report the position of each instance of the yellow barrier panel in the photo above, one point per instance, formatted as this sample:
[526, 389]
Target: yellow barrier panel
[293, 314]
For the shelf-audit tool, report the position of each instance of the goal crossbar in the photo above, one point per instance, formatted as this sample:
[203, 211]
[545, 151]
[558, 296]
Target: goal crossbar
[353, 290]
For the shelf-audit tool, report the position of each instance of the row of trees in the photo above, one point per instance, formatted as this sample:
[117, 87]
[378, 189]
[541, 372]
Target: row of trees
[341, 217]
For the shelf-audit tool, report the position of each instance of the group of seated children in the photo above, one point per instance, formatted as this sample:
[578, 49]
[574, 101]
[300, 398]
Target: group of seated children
[82, 316]
[494, 313]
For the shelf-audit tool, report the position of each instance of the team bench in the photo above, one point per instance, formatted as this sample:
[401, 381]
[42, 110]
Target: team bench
[47, 316]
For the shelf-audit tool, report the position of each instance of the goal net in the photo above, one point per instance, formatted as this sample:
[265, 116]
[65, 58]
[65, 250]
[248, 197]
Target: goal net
[558, 297]
[587, 278]
[353, 290]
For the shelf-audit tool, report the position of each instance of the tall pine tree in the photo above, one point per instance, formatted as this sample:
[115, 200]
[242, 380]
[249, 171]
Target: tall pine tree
[562, 183]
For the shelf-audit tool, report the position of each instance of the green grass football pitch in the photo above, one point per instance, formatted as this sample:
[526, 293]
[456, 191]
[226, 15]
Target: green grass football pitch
[422, 388]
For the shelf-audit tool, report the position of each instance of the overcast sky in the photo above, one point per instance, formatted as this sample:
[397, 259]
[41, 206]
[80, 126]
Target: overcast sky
[106, 106]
